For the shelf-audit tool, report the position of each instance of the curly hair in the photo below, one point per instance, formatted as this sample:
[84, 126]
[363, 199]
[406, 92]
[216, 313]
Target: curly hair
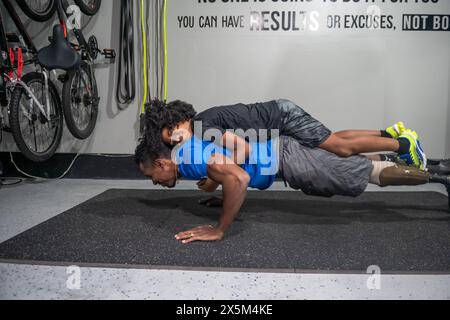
[140, 154]
[145, 154]
[159, 115]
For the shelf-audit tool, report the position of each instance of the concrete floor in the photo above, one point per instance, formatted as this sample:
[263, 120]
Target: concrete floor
[28, 204]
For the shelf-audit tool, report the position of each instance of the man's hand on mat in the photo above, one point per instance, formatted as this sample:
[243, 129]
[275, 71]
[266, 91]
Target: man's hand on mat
[202, 233]
[212, 202]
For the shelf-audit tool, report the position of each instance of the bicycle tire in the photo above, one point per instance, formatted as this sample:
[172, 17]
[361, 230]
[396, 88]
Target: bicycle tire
[90, 10]
[68, 99]
[14, 118]
[40, 16]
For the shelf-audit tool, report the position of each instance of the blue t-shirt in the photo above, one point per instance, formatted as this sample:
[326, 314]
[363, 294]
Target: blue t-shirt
[262, 165]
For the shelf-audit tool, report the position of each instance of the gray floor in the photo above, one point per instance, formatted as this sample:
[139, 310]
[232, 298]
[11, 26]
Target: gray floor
[26, 205]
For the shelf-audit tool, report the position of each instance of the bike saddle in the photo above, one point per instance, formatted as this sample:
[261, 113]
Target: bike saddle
[59, 54]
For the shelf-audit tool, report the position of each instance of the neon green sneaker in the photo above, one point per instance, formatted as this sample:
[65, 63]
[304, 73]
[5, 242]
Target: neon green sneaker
[416, 156]
[396, 130]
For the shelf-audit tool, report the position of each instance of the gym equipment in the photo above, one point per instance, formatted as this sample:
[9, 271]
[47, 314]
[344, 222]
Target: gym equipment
[145, 97]
[43, 10]
[35, 115]
[89, 7]
[154, 87]
[49, 119]
[275, 230]
[39, 11]
[126, 80]
[80, 92]
[165, 48]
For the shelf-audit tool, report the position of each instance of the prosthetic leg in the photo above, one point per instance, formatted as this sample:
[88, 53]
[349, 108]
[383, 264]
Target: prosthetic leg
[440, 166]
[397, 175]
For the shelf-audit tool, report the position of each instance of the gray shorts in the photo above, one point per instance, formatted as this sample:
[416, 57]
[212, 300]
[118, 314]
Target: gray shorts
[300, 125]
[321, 173]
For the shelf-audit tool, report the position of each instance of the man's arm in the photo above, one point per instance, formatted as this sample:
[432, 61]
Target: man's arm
[240, 151]
[234, 181]
[208, 185]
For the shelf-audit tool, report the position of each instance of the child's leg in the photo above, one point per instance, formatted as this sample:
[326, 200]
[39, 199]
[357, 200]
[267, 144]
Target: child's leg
[348, 134]
[360, 144]
[298, 124]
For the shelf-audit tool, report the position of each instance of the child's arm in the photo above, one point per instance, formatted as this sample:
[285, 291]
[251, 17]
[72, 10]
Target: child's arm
[239, 147]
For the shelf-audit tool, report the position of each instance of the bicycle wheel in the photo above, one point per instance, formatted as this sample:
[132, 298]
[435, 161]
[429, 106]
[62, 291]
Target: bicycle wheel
[38, 10]
[89, 7]
[80, 102]
[36, 137]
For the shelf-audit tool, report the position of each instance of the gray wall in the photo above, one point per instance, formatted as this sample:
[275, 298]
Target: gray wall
[348, 79]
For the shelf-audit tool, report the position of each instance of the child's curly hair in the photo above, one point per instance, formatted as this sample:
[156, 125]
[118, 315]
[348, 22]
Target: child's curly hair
[159, 115]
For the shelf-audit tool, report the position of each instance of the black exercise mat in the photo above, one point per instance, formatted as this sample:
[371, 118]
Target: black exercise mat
[399, 232]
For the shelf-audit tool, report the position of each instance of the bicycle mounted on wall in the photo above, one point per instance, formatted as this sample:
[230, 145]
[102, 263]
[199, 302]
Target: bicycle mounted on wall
[35, 109]
[43, 10]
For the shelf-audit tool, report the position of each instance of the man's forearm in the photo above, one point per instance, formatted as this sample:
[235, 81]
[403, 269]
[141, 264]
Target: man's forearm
[234, 181]
[234, 193]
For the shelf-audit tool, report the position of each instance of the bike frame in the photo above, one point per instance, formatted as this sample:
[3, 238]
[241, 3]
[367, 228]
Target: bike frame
[61, 9]
[83, 46]
[6, 65]
[8, 83]
[23, 32]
